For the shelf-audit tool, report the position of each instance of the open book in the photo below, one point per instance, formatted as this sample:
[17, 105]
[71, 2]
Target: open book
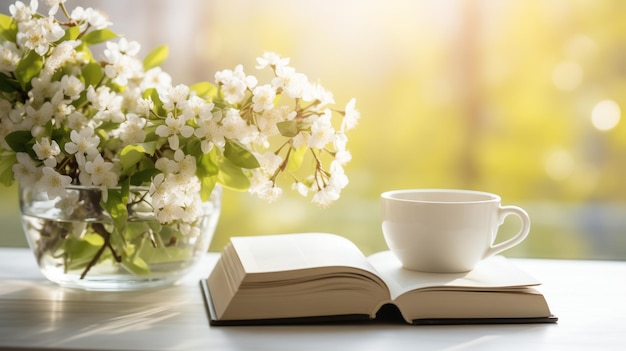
[314, 277]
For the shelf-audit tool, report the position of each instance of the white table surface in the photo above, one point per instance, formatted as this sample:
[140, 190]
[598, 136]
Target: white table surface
[589, 297]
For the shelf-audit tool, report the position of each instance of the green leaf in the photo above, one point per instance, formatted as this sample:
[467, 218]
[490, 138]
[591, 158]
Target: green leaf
[204, 89]
[143, 176]
[28, 68]
[5, 21]
[70, 34]
[136, 229]
[232, 176]
[79, 252]
[8, 85]
[20, 140]
[239, 155]
[135, 265]
[98, 36]
[156, 57]
[94, 239]
[207, 171]
[6, 169]
[158, 104]
[116, 207]
[165, 254]
[92, 72]
[288, 129]
[8, 28]
[206, 165]
[207, 184]
[296, 156]
[132, 154]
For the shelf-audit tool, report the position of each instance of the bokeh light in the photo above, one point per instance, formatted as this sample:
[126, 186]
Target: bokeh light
[605, 115]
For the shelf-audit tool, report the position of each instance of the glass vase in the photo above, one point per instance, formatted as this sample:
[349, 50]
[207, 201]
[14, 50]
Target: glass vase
[80, 246]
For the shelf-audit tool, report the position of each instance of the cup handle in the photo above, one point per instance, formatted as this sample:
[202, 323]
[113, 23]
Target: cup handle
[503, 212]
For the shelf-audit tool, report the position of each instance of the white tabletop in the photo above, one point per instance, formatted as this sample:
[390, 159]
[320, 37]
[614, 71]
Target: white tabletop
[589, 297]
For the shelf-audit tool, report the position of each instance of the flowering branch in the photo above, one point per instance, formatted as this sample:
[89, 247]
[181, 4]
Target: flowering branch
[70, 118]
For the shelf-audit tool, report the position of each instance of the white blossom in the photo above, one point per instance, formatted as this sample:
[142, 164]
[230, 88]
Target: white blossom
[122, 64]
[264, 188]
[108, 104]
[72, 87]
[166, 165]
[301, 188]
[338, 179]
[156, 78]
[235, 83]
[174, 97]
[271, 59]
[263, 98]
[61, 54]
[89, 17]
[76, 120]
[293, 84]
[234, 127]
[172, 128]
[209, 132]
[38, 117]
[53, 5]
[316, 92]
[187, 167]
[144, 106]
[68, 203]
[101, 172]
[234, 90]
[343, 156]
[170, 212]
[196, 107]
[21, 12]
[53, 183]
[44, 149]
[269, 162]
[351, 116]
[83, 143]
[191, 213]
[26, 170]
[132, 130]
[325, 196]
[37, 34]
[322, 131]
[176, 198]
[43, 88]
[9, 56]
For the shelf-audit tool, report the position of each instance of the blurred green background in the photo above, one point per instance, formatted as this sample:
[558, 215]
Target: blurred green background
[519, 98]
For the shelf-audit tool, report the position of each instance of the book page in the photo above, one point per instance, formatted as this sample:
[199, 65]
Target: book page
[493, 273]
[513, 303]
[290, 252]
[294, 276]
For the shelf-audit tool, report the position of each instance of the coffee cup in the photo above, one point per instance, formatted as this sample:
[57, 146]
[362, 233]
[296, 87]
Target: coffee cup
[446, 230]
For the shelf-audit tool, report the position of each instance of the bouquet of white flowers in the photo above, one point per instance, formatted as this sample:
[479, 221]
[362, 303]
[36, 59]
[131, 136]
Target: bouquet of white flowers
[69, 117]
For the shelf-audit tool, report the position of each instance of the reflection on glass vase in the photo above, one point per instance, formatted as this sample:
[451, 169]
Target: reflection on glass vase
[79, 244]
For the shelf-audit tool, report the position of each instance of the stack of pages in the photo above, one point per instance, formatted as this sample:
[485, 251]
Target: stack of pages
[319, 277]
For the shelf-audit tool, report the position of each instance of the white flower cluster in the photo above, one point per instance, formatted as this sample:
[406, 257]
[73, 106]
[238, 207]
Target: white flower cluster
[67, 118]
[314, 128]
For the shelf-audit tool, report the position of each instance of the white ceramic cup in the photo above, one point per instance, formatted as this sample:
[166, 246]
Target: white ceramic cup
[445, 230]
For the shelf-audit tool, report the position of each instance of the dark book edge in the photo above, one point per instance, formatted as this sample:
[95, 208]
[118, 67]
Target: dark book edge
[387, 314]
[214, 321]
[466, 321]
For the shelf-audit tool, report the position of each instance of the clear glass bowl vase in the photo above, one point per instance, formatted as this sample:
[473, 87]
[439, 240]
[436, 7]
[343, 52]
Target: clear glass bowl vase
[79, 246]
